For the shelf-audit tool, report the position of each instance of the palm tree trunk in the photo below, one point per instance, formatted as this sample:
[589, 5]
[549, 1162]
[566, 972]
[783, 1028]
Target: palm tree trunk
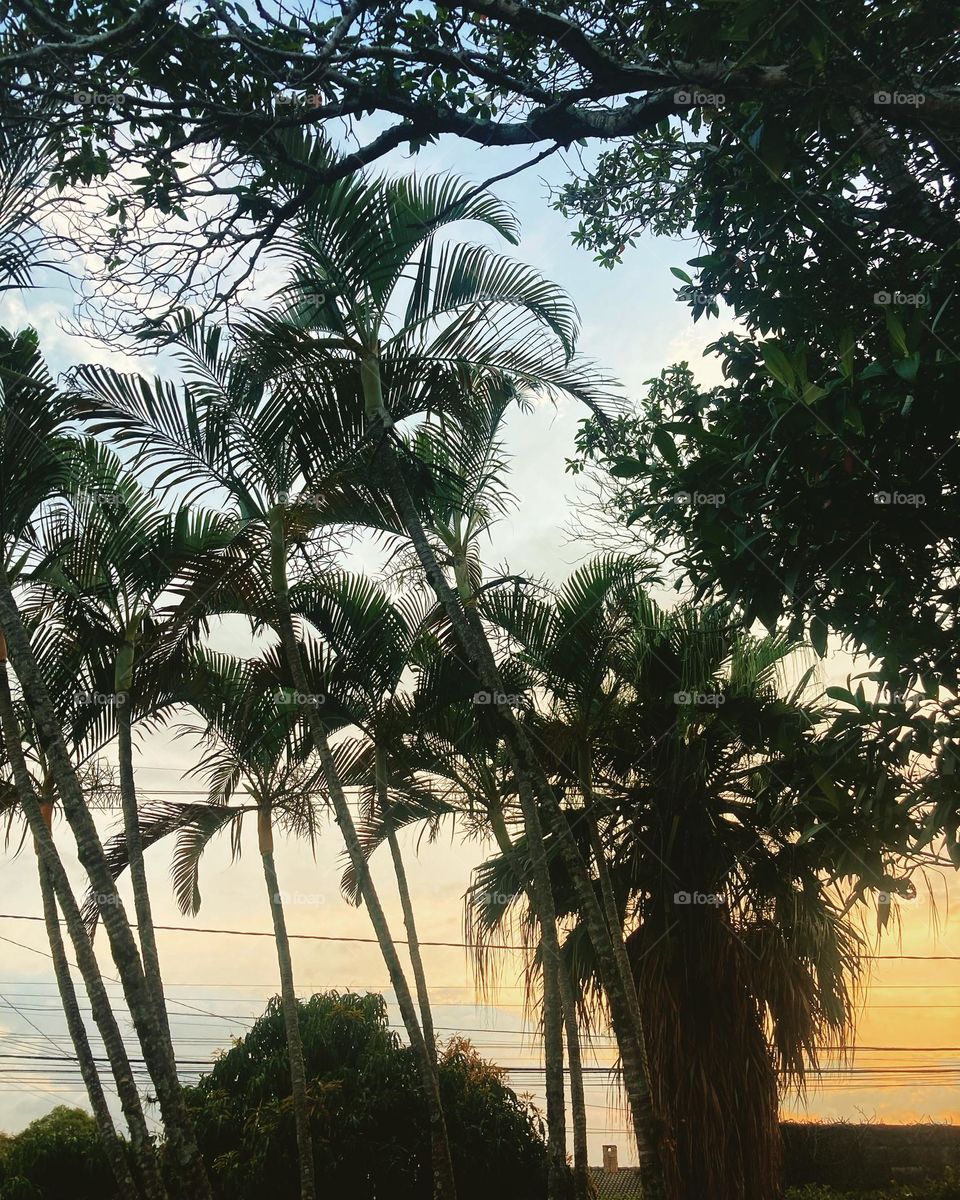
[123, 687]
[291, 1016]
[381, 769]
[106, 1022]
[156, 1046]
[578, 1103]
[112, 1145]
[550, 965]
[613, 921]
[542, 904]
[621, 995]
[54, 877]
[532, 781]
[443, 1179]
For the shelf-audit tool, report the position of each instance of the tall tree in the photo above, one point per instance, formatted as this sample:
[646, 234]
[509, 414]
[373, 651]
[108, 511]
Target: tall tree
[374, 641]
[23, 783]
[35, 462]
[669, 90]
[228, 431]
[470, 313]
[728, 811]
[110, 552]
[252, 752]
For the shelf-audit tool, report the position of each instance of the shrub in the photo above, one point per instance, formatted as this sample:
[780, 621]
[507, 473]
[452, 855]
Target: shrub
[56, 1157]
[369, 1121]
[946, 1189]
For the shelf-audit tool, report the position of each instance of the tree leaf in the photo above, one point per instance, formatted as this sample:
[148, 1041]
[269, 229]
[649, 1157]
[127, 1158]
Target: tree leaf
[627, 468]
[667, 447]
[778, 364]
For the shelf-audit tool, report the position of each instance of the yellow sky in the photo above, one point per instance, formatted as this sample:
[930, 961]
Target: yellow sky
[218, 983]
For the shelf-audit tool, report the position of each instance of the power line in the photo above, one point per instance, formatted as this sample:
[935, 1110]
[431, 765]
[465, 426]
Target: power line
[265, 933]
[372, 941]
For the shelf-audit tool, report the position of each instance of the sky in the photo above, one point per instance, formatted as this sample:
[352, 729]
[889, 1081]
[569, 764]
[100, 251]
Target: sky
[632, 327]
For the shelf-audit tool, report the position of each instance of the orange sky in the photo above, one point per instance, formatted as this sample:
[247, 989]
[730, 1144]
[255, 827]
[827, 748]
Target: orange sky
[218, 983]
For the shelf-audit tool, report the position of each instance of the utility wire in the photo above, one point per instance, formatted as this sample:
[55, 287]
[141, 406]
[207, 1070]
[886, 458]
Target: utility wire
[372, 941]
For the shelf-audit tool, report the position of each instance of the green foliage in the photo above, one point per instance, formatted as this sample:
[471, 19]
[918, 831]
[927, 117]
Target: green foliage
[833, 237]
[748, 99]
[368, 1115]
[833, 494]
[57, 1157]
[817, 507]
[947, 1189]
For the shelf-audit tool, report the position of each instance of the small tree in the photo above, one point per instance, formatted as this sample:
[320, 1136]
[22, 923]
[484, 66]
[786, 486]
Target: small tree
[57, 1157]
[368, 1115]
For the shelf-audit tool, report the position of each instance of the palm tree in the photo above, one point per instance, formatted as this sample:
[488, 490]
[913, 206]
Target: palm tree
[374, 641]
[366, 256]
[252, 741]
[687, 770]
[229, 433]
[376, 301]
[470, 465]
[24, 783]
[35, 463]
[110, 552]
[473, 321]
[448, 762]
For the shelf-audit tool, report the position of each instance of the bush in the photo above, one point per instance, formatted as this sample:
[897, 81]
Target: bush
[369, 1121]
[946, 1189]
[57, 1157]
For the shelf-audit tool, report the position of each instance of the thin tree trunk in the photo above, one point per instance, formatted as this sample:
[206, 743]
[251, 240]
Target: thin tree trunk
[542, 904]
[620, 990]
[632, 1011]
[443, 1179]
[157, 1049]
[612, 918]
[578, 1103]
[291, 1015]
[131, 831]
[550, 965]
[381, 769]
[112, 1145]
[532, 781]
[53, 872]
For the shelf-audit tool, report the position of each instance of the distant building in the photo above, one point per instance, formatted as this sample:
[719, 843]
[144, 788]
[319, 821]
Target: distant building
[613, 1182]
